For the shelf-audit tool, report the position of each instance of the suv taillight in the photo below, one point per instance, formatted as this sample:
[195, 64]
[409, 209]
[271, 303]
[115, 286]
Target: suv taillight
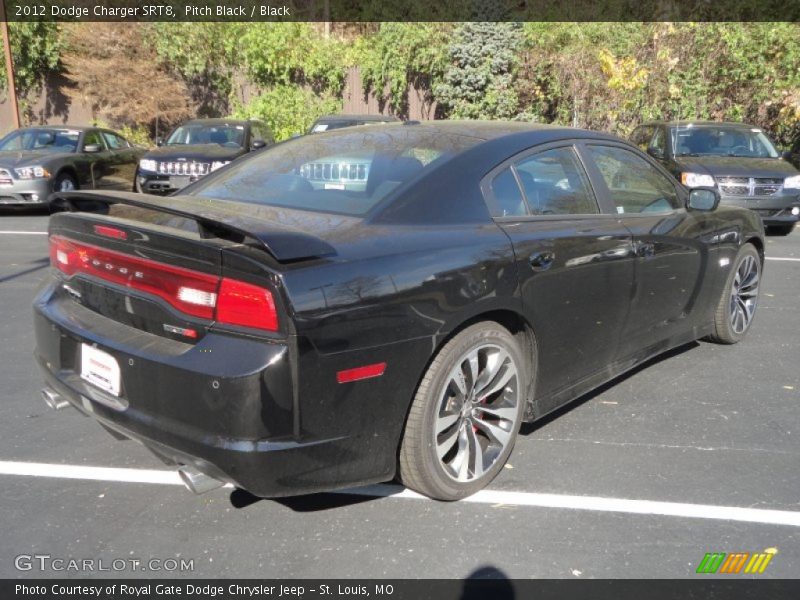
[225, 300]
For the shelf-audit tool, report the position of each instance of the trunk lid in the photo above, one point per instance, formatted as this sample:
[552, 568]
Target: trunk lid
[170, 266]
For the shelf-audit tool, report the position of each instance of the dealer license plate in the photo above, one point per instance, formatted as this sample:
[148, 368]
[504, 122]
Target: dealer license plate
[100, 368]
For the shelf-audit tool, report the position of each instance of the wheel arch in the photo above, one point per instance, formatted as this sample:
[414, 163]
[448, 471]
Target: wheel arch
[517, 325]
[759, 245]
[523, 332]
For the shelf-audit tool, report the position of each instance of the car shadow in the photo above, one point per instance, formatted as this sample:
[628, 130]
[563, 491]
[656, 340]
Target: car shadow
[42, 263]
[528, 428]
[23, 211]
[303, 504]
[332, 500]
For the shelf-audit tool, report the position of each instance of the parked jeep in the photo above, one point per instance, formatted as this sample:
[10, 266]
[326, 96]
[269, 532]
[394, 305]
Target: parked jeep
[738, 160]
[197, 148]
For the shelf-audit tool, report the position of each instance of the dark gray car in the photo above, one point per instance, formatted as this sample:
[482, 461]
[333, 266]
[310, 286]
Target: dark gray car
[36, 161]
[739, 160]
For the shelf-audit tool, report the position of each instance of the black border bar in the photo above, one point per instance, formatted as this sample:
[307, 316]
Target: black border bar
[402, 10]
[498, 588]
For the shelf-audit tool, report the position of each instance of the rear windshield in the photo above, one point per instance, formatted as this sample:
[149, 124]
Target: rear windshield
[346, 172]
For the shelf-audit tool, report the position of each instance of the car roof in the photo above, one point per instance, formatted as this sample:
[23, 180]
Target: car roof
[213, 122]
[65, 127]
[489, 130]
[691, 123]
[369, 118]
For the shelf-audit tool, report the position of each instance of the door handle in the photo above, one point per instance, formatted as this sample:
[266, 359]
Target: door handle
[541, 261]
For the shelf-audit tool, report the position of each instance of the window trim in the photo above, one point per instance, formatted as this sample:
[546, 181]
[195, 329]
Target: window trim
[491, 202]
[605, 192]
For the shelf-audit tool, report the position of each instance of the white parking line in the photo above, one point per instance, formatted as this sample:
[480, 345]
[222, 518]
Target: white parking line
[23, 233]
[494, 497]
[780, 258]
[94, 473]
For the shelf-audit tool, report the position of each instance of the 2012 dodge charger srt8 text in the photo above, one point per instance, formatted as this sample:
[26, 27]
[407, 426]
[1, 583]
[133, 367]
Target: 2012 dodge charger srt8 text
[273, 329]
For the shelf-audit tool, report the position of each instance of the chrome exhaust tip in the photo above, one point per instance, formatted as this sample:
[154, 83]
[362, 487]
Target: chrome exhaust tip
[53, 399]
[198, 482]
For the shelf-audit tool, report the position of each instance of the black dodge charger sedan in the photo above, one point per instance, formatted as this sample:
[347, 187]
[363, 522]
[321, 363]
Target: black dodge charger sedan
[287, 333]
[738, 159]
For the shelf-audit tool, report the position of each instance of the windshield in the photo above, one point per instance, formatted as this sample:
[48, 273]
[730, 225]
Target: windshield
[201, 133]
[41, 140]
[721, 141]
[347, 172]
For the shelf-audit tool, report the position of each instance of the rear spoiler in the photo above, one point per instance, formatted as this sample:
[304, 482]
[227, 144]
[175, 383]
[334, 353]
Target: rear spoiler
[214, 218]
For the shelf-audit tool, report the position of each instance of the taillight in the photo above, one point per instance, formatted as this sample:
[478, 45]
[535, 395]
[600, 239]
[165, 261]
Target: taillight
[248, 305]
[225, 300]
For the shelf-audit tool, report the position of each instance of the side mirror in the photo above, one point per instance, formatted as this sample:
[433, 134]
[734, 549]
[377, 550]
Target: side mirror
[786, 155]
[159, 141]
[656, 153]
[91, 148]
[704, 199]
[256, 144]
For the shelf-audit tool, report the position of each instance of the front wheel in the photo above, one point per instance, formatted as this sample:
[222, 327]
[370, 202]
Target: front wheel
[65, 183]
[465, 415]
[737, 305]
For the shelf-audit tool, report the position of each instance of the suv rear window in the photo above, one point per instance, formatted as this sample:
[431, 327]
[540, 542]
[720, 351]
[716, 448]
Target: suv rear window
[346, 172]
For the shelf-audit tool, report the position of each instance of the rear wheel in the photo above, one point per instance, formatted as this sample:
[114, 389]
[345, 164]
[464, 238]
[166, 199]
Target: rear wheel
[781, 229]
[465, 415]
[737, 305]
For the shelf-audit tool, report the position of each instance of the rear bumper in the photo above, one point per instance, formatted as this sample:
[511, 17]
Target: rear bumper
[226, 406]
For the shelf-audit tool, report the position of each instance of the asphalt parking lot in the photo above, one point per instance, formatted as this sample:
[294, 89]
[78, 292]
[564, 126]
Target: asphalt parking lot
[698, 452]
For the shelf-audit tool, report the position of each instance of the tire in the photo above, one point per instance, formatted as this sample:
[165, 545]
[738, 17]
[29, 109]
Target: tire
[136, 187]
[739, 299]
[780, 229]
[472, 444]
[65, 182]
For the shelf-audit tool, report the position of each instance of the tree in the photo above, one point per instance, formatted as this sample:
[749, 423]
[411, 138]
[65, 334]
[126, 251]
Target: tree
[113, 71]
[403, 54]
[479, 83]
[36, 48]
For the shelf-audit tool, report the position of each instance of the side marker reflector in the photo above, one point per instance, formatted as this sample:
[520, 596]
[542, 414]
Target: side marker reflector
[359, 373]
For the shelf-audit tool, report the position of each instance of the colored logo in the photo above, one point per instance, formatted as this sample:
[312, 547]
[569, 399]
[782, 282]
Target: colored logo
[736, 562]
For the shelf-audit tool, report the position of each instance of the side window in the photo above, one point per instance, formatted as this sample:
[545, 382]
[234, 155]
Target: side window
[93, 137]
[635, 185]
[114, 141]
[641, 137]
[659, 142]
[259, 131]
[508, 200]
[265, 133]
[556, 184]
